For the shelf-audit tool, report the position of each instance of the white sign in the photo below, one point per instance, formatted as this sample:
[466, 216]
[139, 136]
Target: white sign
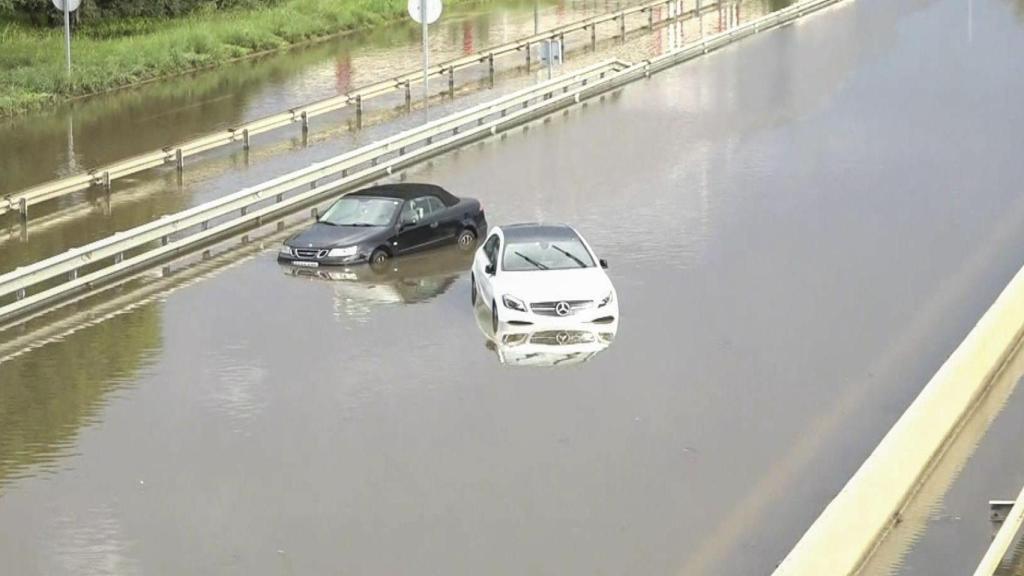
[72, 5]
[433, 10]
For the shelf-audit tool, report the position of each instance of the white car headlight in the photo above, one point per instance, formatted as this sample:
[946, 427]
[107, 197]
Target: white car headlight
[342, 252]
[605, 301]
[285, 250]
[513, 303]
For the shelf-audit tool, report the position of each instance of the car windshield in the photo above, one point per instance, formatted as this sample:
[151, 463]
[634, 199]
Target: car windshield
[537, 254]
[361, 211]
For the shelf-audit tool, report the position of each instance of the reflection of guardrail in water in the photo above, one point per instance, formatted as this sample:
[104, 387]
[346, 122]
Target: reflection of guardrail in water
[143, 245]
[176, 154]
[1005, 537]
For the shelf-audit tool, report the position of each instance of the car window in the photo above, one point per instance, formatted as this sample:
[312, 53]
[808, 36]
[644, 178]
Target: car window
[544, 254]
[419, 208]
[434, 204]
[491, 248]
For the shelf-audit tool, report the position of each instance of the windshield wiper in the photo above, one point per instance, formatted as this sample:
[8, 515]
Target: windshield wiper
[365, 224]
[575, 259]
[538, 265]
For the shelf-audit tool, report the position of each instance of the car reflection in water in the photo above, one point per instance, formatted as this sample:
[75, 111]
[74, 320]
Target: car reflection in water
[562, 345]
[406, 280]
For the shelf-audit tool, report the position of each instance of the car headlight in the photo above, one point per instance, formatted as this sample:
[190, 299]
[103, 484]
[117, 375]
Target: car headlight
[285, 250]
[342, 252]
[605, 301]
[513, 303]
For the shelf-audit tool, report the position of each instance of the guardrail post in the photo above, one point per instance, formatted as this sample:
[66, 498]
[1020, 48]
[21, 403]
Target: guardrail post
[312, 185]
[244, 210]
[408, 95]
[279, 197]
[179, 158]
[205, 225]
[305, 119]
[73, 275]
[23, 208]
[315, 213]
[245, 138]
[451, 81]
[650, 18]
[20, 295]
[622, 27]
[163, 240]
[106, 181]
[359, 111]
[118, 258]
[490, 66]
[528, 56]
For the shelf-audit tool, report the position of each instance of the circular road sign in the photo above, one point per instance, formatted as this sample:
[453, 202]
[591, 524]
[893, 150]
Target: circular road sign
[433, 10]
[72, 4]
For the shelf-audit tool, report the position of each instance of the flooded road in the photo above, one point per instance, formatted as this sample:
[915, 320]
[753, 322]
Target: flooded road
[800, 228]
[36, 148]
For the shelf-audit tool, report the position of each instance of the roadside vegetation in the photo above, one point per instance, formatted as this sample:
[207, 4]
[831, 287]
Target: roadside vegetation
[122, 43]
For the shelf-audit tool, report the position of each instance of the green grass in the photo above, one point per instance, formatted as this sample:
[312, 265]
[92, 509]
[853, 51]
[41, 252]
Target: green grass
[116, 54]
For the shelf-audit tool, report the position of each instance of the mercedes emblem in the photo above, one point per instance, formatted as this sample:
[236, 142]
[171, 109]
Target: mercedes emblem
[563, 309]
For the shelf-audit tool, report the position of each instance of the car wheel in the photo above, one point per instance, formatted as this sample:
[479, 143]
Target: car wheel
[494, 317]
[379, 258]
[472, 289]
[466, 239]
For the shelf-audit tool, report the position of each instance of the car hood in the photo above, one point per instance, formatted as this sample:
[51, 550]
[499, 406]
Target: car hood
[327, 236]
[554, 285]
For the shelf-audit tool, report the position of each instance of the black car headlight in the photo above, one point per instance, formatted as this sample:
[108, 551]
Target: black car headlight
[342, 252]
[513, 303]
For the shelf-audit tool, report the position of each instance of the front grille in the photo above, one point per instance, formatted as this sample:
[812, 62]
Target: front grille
[562, 337]
[550, 308]
[310, 253]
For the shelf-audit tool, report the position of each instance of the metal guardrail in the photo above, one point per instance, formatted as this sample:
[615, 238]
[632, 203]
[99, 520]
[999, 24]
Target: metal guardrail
[122, 252]
[1004, 538]
[177, 153]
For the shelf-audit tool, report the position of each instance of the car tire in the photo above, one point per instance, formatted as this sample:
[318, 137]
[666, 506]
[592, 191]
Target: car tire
[466, 239]
[379, 258]
[494, 317]
[472, 289]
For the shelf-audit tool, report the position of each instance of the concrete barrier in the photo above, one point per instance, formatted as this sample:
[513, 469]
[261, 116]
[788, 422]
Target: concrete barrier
[855, 521]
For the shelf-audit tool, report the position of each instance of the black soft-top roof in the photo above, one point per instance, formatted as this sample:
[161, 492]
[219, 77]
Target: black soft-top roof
[408, 191]
[537, 232]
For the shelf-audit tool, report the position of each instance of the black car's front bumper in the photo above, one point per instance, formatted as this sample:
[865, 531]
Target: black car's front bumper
[315, 261]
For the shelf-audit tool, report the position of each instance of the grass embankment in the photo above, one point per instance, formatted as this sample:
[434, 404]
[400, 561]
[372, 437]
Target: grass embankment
[116, 54]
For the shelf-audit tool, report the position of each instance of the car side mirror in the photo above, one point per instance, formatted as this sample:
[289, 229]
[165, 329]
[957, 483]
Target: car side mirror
[490, 269]
[604, 263]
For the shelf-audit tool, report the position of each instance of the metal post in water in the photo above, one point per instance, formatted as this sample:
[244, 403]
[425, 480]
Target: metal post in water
[451, 81]
[527, 56]
[426, 59]
[179, 159]
[408, 95]
[593, 36]
[490, 66]
[359, 111]
[245, 138]
[305, 121]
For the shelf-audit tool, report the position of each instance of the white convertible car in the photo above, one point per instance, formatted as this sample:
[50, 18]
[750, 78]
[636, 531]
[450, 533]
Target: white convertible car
[541, 275]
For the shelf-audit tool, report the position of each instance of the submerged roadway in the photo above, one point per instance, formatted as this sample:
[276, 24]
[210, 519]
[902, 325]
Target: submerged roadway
[800, 227]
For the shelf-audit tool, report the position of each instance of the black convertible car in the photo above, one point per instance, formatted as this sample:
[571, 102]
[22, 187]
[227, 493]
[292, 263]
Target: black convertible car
[374, 224]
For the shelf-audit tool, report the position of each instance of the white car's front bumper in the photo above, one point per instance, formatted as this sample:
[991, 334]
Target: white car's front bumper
[607, 314]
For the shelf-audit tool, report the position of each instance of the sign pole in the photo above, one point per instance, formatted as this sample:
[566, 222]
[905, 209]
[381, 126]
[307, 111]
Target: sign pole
[426, 59]
[67, 34]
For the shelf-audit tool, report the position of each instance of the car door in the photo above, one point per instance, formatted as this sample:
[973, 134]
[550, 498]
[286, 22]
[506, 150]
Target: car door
[486, 256]
[416, 230]
[446, 219]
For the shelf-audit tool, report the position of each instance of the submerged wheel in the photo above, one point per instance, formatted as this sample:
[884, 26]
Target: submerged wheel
[466, 239]
[379, 258]
[472, 289]
[494, 316]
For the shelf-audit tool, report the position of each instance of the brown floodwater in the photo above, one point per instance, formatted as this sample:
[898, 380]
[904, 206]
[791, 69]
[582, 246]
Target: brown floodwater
[800, 228]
